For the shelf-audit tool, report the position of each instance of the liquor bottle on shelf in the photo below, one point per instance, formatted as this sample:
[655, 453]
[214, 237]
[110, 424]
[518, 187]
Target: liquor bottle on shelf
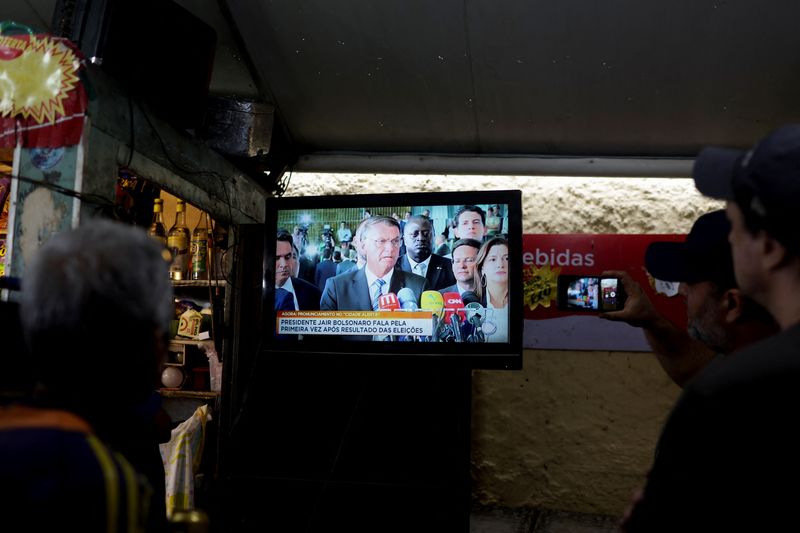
[219, 251]
[157, 229]
[178, 243]
[199, 247]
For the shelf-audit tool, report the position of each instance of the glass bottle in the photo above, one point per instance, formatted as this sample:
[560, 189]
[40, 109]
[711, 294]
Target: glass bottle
[199, 247]
[157, 229]
[178, 243]
[220, 248]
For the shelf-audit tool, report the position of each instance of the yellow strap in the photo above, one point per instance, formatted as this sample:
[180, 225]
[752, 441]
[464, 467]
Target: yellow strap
[132, 487]
[110, 476]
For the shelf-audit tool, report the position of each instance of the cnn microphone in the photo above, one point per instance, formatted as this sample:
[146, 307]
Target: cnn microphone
[454, 313]
[432, 301]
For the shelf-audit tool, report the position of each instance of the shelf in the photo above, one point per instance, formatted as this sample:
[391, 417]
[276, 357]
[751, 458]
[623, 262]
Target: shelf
[199, 283]
[199, 395]
[191, 342]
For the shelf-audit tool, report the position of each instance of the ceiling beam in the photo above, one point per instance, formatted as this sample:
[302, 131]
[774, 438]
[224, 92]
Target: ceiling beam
[381, 163]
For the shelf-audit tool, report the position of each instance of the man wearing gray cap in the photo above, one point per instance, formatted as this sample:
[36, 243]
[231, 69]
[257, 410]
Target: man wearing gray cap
[729, 456]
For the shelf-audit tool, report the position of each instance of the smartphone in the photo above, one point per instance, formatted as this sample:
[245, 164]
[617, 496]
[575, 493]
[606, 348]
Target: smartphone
[590, 293]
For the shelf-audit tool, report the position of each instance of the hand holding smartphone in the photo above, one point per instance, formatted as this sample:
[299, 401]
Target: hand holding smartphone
[597, 294]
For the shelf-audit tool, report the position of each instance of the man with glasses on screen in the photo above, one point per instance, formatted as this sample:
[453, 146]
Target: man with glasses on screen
[360, 289]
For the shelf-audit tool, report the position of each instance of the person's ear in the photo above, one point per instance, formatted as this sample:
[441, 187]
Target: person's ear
[733, 305]
[774, 253]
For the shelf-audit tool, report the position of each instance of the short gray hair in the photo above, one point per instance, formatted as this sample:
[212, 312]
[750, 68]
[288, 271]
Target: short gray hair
[375, 220]
[94, 298]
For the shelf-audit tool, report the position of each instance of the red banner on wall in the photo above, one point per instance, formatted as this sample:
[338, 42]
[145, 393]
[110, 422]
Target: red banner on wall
[547, 256]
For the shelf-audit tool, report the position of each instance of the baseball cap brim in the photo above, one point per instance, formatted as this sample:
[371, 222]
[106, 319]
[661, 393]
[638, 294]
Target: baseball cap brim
[705, 255]
[669, 261]
[714, 169]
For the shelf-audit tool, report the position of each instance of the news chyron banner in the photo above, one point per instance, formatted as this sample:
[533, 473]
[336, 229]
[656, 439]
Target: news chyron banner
[403, 323]
[547, 257]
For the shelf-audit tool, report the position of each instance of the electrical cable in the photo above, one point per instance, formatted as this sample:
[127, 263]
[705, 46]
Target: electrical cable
[94, 199]
[132, 131]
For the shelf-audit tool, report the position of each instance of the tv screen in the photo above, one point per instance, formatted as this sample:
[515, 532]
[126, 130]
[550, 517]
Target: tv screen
[433, 275]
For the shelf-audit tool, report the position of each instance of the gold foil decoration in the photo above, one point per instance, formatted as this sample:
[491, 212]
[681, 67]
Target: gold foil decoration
[540, 285]
[36, 80]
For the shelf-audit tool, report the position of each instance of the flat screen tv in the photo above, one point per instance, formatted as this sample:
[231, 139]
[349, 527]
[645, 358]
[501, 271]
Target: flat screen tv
[411, 275]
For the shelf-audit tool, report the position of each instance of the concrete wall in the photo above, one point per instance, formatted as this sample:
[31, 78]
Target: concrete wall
[572, 431]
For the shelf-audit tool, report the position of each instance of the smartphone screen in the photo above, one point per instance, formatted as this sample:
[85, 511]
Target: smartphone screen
[590, 293]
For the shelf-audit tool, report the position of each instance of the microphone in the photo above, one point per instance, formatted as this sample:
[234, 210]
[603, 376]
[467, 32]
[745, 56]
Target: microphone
[432, 301]
[388, 302]
[407, 299]
[454, 313]
[452, 305]
[455, 323]
[468, 297]
[476, 315]
[408, 302]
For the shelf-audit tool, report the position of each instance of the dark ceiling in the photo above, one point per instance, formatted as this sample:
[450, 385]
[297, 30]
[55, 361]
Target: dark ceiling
[475, 79]
[560, 78]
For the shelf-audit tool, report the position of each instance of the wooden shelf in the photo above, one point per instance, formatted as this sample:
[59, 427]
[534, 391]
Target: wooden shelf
[199, 395]
[191, 342]
[199, 283]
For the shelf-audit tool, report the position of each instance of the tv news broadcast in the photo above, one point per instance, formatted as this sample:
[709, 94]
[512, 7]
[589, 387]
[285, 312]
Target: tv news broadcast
[409, 270]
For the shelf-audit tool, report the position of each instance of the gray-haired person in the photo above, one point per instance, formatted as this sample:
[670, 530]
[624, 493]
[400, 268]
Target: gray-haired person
[95, 309]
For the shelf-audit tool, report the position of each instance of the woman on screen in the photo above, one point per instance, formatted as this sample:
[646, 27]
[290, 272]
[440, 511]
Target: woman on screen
[491, 286]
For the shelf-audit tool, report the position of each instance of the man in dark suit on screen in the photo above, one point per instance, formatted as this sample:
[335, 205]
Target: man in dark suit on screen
[465, 252]
[359, 289]
[419, 258]
[325, 269]
[305, 296]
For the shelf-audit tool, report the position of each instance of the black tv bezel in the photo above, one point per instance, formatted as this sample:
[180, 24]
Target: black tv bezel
[480, 356]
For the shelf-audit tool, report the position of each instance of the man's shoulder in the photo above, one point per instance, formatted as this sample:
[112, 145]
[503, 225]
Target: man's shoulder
[409, 277]
[763, 366]
[347, 276]
[440, 260]
[345, 266]
[302, 285]
[451, 288]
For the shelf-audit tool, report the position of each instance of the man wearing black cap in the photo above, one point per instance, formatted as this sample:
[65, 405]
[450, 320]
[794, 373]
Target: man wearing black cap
[729, 456]
[720, 319]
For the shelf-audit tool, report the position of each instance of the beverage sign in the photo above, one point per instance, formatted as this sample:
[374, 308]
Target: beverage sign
[546, 257]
